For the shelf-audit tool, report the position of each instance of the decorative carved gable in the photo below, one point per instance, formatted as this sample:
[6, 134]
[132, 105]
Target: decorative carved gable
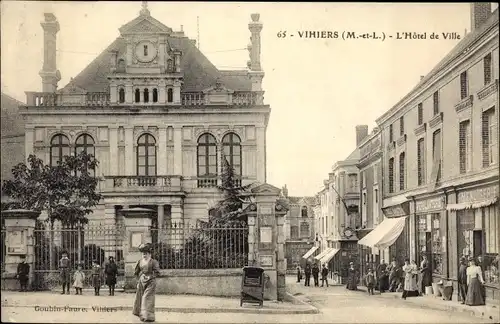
[266, 188]
[144, 24]
[218, 94]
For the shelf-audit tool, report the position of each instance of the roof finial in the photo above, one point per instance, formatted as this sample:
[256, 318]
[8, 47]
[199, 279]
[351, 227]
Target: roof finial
[145, 10]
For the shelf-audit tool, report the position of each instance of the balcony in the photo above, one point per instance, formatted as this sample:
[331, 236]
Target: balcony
[123, 184]
[47, 99]
[242, 98]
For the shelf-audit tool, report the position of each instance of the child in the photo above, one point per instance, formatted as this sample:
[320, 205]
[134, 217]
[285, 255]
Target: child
[78, 279]
[23, 271]
[96, 277]
[370, 281]
[64, 272]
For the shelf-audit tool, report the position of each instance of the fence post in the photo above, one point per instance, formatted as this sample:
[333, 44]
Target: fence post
[19, 226]
[137, 231]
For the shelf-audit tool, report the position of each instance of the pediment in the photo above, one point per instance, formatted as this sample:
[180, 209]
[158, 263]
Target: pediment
[218, 88]
[144, 24]
[72, 88]
[266, 188]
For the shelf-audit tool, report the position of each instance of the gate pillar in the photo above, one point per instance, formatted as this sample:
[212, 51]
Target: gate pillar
[19, 240]
[137, 231]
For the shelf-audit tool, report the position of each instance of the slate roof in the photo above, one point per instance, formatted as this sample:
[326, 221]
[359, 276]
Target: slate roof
[199, 72]
[12, 122]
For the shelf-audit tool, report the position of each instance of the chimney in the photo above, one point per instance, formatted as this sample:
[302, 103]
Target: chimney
[49, 73]
[284, 191]
[480, 12]
[361, 133]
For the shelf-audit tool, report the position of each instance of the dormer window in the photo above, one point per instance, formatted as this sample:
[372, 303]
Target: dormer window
[146, 50]
[155, 95]
[146, 95]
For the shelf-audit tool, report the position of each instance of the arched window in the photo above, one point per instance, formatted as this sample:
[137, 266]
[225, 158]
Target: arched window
[232, 151]
[59, 148]
[207, 156]
[304, 211]
[121, 95]
[137, 95]
[155, 95]
[146, 155]
[85, 143]
[146, 95]
[170, 95]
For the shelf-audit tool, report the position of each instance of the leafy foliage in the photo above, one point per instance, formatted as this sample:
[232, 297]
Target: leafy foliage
[67, 191]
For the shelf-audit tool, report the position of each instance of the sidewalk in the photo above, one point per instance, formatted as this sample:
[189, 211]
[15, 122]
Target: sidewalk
[487, 312]
[164, 303]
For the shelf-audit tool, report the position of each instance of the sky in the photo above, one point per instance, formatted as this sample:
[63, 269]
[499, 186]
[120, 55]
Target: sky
[318, 89]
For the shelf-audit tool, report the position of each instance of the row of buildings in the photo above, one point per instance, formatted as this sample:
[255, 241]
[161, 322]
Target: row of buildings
[425, 180]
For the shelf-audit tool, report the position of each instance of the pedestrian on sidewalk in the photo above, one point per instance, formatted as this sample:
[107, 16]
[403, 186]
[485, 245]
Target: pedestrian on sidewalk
[22, 274]
[299, 273]
[78, 279]
[307, 272]
[352, 277]
[475, 282]
[410, 283]
[425, 274]
[395, 274]
[315, 273]
[324, 275]
[111, 271]
[96, 277]
[480, 264]
[146, 271]
[370, 281]
[462, 280]
[65, 272]
[383, 277]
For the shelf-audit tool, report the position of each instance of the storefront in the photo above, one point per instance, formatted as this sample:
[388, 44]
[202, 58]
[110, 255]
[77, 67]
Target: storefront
[431, 238]
[294, 250]
[477, 231]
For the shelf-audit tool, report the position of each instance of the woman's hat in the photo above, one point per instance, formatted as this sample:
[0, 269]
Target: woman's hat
[351, 262]
[145, 248]
[472, 259]
[111, 257]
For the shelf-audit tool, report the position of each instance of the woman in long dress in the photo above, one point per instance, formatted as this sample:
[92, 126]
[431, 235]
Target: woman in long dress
[475, 282]
[146, 271]
[410, 284]
[425, 274]
[352, 277]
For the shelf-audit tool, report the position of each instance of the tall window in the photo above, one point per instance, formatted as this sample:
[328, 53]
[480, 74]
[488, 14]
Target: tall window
[391, 175]
[155, 95]
[207, 156]
[303, 211]
[402, 171]
[437, 244]
[232, 151]
[464, 85]
[170, 95]
[391, 134]
[487, 69]
[401, 126]
[59, 148]
[146, 95]
[146, 155]
[420, 113]
[137, 95]
[464, 146]
[85, 143]
[435, 102]
[421, 161]
[121, 95]
[491, 238]
[436, 153]
[489, 138]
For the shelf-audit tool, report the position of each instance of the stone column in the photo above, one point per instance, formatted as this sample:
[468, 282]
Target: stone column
[177, 227]
[19, 240]
[176, 93]
[137, 231]
[178, 150]
[129, 93]
[162, 151]
[129, 150]
[280, 213]
[113, 151]
[261, 154]
[251, 212]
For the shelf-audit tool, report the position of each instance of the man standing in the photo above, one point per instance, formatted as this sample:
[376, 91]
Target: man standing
[383, 278]
[315, 273]
[299, 273]
[23, 271]
[324, 275]
[65, 272]
[307, 272]
[462, 280]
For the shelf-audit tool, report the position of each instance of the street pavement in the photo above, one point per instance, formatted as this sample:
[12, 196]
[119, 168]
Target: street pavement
[335, 304]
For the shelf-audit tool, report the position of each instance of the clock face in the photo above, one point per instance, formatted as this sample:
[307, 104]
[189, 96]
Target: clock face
[145, 51]
[348, 233]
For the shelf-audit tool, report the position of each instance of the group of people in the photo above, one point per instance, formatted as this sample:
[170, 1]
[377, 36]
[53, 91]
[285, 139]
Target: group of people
[314, 271]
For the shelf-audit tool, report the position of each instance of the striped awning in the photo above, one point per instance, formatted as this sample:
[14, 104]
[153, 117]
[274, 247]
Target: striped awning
[310, 252]
[322, 254]
[329, 256]
[385, 234]
[471, 205]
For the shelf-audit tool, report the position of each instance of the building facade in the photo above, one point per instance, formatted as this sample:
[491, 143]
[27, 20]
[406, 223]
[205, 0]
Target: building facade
[158, 115]
[440, 158]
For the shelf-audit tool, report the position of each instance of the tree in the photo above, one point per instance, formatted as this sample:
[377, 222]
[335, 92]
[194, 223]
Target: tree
[67, 191]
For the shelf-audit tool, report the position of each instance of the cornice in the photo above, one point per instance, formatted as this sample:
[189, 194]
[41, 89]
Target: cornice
[420, 129]
[464, 103]
[436, 121]
[488, 90]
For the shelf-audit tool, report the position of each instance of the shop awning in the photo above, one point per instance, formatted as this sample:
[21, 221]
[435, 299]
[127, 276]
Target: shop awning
[327, 257]
[472, 205]
[310, 252]
[322, 254]
[385, 234]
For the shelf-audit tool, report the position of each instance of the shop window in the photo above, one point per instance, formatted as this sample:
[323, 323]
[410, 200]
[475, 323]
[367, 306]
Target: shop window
[437, 244]
[491, 257]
